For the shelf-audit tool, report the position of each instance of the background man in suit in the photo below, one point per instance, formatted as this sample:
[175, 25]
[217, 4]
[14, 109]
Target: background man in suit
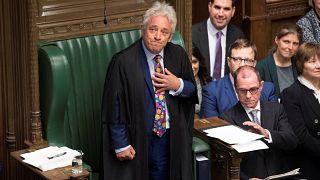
[204, 36]
[219, 96]
[265, 118]
[148, 105]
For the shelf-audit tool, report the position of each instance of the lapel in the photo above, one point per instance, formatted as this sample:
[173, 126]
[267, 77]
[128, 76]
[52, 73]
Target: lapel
[273, 72]
[204, 43]
[241, 115]
[310, 99]
[229, 91]
[267, 116]
[146, 71]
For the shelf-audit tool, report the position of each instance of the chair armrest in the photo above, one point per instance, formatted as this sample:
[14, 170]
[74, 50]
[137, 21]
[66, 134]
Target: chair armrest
[54, 74]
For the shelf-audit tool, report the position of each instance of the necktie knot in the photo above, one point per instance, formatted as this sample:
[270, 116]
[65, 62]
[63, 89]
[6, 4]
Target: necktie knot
[157, 58]
[219, 34]
[254, 115]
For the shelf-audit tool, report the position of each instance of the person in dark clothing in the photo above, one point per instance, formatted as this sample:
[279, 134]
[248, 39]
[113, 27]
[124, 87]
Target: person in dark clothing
[148, 105]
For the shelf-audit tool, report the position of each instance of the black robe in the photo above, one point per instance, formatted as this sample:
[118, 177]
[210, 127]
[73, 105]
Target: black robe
[125, 83]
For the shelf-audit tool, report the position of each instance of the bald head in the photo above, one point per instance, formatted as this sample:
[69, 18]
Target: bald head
[246, 72]
[248, 86]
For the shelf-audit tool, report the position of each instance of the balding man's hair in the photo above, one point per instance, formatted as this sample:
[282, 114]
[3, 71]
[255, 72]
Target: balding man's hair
[246, 72]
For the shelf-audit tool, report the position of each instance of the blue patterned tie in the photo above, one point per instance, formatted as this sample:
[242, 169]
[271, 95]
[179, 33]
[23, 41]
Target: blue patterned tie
[159, 124]
[218, 61]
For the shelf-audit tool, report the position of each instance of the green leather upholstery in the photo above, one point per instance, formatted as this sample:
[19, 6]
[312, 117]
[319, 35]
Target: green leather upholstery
[72, 73]
[199, 146]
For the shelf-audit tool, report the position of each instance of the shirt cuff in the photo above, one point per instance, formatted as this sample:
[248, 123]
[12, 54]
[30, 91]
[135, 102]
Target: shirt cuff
[269, 140]
[178, 92]
[122, 149]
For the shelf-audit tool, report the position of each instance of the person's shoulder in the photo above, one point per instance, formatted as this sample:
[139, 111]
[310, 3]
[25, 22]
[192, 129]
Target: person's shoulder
[217, 85]
[267, 86]
[264, 62]
[293, 88]
[199, 25]
[234, 29]
[306, 18]
[175, 48]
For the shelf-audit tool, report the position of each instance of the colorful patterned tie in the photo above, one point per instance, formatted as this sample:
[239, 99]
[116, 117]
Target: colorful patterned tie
[254, 116]
[159, 124]
[218, 61]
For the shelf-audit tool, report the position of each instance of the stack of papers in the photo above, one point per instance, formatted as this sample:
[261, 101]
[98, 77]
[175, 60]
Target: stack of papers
[239, 139]
[284, 175]
[50, 157]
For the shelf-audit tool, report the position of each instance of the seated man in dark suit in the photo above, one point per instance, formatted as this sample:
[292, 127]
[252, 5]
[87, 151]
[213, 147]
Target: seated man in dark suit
[266, 118]
[219, 96]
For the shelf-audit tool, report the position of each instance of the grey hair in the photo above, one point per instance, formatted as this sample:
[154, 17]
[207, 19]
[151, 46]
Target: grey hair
[161, 9]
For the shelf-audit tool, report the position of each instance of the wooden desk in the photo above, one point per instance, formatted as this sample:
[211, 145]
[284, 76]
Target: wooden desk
[225, 161]
[59, 173]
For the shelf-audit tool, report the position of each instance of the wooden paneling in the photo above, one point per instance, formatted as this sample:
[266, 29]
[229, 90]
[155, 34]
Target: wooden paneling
[57, 19]
[262, 19]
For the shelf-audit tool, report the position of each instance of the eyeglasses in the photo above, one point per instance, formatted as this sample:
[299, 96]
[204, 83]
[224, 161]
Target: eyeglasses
[245, 60]
[252, 91]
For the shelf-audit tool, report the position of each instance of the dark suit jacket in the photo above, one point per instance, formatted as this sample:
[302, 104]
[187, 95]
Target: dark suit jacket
[129, 108]
[219, 96]
[268, 71]
[200, 40]
[263, 163]
[303, 111]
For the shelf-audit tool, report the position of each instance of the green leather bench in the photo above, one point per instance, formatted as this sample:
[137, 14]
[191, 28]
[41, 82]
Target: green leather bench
[72, 73]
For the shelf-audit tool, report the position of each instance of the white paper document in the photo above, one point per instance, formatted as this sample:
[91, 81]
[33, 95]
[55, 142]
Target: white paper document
[50, 157]
[250, 146]
[284, 175]
[241, 140]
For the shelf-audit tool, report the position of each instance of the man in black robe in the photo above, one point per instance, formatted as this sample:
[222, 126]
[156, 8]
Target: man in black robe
[131, 148]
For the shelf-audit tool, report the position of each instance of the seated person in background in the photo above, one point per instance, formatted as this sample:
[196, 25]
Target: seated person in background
[266, 118]
[200, 74]
[301, 101]
[279, 67]
[219, 96]
[310, 23]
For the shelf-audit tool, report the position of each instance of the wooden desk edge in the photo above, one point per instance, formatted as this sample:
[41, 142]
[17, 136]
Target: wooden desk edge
[58, 173]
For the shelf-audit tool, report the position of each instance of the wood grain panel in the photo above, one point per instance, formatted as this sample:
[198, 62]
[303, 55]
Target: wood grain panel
[57, 19]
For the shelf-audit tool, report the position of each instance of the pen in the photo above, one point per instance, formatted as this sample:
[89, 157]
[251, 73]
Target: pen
[58, 155]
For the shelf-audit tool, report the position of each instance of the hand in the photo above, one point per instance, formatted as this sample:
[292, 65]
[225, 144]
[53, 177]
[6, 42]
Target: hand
[254, 179]
[127, 154]
[167, 81]
[256, 128]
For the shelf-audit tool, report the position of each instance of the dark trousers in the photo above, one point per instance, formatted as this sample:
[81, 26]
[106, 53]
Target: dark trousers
[159, 157]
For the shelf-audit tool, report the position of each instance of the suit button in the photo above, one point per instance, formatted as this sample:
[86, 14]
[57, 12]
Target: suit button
[316, 121]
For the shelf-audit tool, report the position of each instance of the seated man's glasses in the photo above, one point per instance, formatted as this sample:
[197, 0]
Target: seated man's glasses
[246, 61]
[252, 91]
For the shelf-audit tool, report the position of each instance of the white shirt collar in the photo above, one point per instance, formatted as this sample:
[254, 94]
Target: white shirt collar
[309, 85]
[150, 55]
[213, 30]
[248, 110]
